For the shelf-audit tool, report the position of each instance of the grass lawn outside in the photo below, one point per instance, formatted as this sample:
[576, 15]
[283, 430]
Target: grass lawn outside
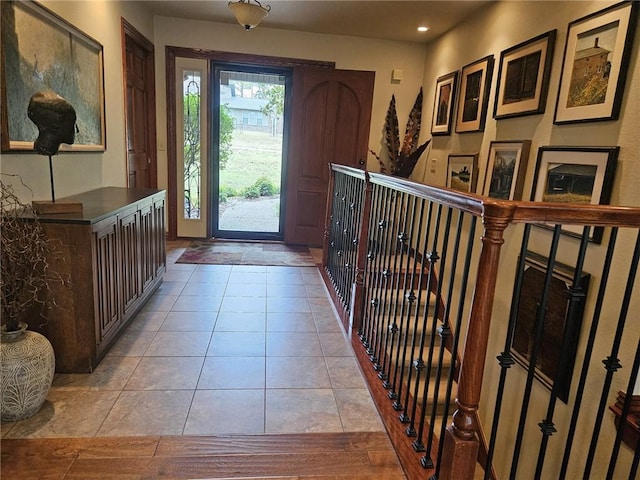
[254, 155]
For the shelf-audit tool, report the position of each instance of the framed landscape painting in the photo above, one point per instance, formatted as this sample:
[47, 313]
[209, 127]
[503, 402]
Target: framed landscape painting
[473, 100]
[575, 175]
[596, 60]
[443, 104]
[506, 167]
[41, 51]
[523, 77]
[462, 172]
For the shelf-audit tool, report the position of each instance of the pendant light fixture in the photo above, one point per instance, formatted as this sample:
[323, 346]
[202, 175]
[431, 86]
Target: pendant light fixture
[249, 14]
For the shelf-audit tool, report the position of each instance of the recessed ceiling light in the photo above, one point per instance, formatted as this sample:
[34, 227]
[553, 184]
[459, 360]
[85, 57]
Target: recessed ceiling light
[423, 29]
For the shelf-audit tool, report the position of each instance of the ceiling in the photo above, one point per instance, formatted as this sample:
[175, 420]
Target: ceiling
[390, 20]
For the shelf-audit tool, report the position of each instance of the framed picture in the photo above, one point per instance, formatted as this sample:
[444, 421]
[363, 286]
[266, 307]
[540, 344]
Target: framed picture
[41, 51]
[594, 69]
[575, 175]
[443, 103]
[474, 95]
[523, 77]
[506, 168]
[562, 317]
[462, 172]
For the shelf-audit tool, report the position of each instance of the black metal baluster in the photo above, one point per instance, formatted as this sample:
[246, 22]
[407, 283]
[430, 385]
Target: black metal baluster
[418, 363]
[391, 289]
[456, 338]
[444, 331]
[538, 329]
[398, 404]
[547, 426]
[402, 328]
[392, 326]
[606, 269]
[505, 359]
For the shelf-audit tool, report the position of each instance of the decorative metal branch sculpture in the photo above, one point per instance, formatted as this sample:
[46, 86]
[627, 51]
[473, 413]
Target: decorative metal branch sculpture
[402, 160]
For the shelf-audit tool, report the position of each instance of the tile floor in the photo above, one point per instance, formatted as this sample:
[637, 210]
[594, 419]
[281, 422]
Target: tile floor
[218, 350]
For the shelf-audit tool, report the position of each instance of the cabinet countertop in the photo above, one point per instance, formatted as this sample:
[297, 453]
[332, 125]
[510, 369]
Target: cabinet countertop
[99, 204]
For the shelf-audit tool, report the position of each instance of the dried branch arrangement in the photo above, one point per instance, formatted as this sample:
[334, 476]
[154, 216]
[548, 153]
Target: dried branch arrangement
[403, 160]
[25, 272]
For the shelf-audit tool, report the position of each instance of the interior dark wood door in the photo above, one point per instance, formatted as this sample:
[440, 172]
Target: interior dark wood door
[329, 124]
[140, 98]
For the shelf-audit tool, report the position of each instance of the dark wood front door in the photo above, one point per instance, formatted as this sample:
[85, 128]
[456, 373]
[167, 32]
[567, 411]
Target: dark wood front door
[330, 122]
[140, 101]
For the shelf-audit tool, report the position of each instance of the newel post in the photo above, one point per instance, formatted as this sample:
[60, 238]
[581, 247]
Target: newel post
[460, 450]
[356, 310]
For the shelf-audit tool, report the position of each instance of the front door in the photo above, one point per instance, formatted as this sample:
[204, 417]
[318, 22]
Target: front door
[250, 119]
[330, 122]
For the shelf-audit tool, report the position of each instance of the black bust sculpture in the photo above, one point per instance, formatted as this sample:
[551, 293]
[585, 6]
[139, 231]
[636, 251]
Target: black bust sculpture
[55, 119]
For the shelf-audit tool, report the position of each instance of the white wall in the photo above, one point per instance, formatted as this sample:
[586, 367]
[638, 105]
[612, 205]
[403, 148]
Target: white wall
[496, 28]
[79, 172]
[350, 53]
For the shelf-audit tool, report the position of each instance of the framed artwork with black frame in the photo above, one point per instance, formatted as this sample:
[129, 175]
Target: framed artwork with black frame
[562, 318]
[594, 69]
[506, 168]
[41, 51]
[475, 84]
[575, 175]
[462, 172]
[443, 104]
[523, 77]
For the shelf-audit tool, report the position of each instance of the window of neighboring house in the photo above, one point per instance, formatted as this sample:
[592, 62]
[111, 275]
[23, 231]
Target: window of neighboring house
[192, 114]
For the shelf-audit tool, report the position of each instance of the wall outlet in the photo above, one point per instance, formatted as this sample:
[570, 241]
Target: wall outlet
[434, 162]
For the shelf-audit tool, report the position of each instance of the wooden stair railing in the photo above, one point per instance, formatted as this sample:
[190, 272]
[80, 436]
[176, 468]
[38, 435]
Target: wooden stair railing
[358, 301]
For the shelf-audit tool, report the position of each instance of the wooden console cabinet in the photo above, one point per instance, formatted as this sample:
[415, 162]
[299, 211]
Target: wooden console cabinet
[114, 255]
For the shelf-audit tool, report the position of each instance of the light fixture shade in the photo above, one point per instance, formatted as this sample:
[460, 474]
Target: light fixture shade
[249, 15]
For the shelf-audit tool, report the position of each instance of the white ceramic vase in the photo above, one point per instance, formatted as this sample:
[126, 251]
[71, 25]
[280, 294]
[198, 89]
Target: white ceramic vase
[27, 365]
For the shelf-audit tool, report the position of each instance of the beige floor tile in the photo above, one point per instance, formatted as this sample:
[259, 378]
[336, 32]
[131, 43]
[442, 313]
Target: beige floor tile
[290, 322]
[111, 374]
[334, 345]
[247, 277]
[196, 303]
[237, 344]
[293, 344]
[132, 343]
[151, 321]
[286, 290]
[226, 412]
[209, 276]
[212, 289]
[316, 291]
[214, 268]
[171, 288]
[326, 322]
[243, 304]
[166, 373]
[297, 372]
[301, 411]
[284, 278]
[249, 268]
[344, 372]
[148, 413]
[179, 344]
[178, 275]
[228, 373]
[240, 322]
[288, 305]
[246, 290]
[357, 411]
[189, 322]
[159, 303]
[67, 414]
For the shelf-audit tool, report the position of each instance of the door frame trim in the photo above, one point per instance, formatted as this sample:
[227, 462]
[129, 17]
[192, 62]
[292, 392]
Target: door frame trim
[129, 31]
[170, 71]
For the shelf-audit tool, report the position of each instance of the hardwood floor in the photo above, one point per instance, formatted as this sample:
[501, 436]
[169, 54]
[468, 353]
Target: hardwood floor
[319, 456]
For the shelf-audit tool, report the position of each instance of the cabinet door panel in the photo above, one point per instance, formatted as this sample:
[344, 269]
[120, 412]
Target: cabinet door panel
[129, 229]
[105, 280]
